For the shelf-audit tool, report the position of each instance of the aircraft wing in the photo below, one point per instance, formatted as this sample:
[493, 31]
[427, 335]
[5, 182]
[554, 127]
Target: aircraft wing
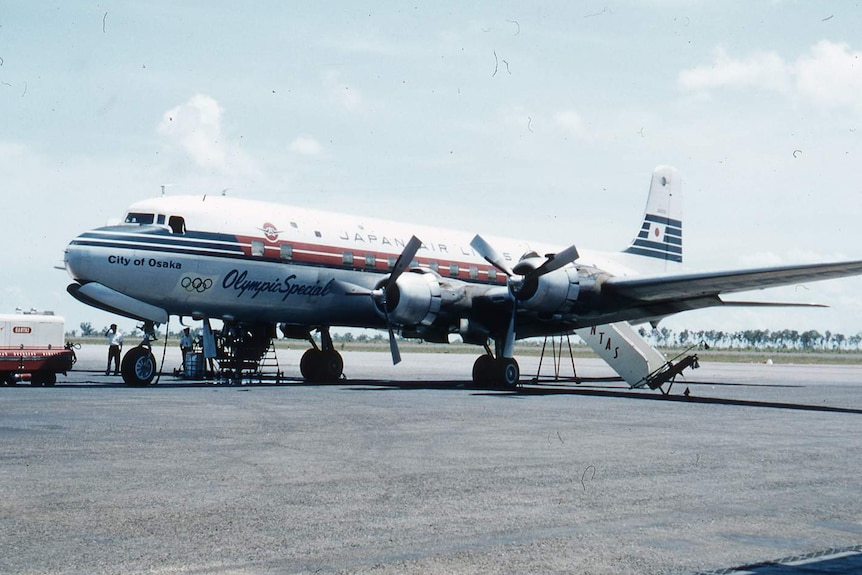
[709, 285]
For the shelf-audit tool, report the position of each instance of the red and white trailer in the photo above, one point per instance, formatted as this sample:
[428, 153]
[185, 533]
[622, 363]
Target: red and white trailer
[33, 348]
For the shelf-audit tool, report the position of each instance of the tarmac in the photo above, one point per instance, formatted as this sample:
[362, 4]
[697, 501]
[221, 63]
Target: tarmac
[410, 469]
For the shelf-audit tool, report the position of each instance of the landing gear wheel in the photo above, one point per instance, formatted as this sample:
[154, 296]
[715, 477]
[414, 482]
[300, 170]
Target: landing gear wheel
[138, 367]
[318, 366]
[509, 373]
[331, 366]
[483, 370]
[308, 364]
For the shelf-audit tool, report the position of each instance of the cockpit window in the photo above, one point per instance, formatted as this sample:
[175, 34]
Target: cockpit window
[177, 224]
[140, 219]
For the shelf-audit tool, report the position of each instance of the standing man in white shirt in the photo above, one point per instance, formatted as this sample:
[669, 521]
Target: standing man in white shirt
[115, 344]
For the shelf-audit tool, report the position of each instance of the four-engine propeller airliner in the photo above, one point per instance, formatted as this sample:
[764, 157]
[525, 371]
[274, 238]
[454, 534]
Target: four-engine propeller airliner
[257, 266]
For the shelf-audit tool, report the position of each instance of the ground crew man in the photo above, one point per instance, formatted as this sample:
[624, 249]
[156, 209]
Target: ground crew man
[115, 344]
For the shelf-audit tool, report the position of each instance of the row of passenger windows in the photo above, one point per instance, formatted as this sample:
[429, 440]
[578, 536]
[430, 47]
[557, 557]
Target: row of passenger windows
[370, 261]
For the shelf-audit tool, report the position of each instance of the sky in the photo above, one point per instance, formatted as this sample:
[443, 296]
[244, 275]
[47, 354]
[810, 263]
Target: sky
[540, 120]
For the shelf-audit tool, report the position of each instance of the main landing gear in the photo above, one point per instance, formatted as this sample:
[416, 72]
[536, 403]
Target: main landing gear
[322, 364]
[496, 372]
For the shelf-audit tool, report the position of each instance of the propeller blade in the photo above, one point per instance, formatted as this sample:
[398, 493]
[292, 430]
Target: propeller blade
[404, 260]
[348, 289]
[393, 344]
[555, 262]
[485, 250]
[393, 347]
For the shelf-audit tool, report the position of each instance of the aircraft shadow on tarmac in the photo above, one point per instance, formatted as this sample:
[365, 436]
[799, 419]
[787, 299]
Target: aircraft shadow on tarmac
[526, 389]
[615, 392]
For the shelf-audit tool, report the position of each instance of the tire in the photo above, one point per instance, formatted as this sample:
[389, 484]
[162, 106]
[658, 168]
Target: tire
[483, 370]
[331, 366]
[509, 373]
[40, 378]
[309, 364]
[138, 367]
[317, 366]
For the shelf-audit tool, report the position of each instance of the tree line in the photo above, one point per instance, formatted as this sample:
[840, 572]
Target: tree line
[784, 339]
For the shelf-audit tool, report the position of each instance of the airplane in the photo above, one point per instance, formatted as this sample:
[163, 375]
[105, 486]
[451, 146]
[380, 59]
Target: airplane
[260, 266]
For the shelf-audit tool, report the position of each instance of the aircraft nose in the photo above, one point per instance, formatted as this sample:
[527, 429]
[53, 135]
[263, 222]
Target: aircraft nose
[76, 259]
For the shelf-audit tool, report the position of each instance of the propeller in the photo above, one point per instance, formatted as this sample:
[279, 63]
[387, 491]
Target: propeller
[381, 294]
[552, 263]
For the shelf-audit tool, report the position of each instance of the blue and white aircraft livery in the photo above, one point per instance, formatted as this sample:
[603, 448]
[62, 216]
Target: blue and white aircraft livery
[257, 266]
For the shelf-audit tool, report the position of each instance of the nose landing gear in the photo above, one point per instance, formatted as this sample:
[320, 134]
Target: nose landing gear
[138, 367]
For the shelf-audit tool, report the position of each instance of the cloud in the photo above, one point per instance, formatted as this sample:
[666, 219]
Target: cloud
[306, 146]
[761, 70]
[831, 76]
[828, 77]
[195, 129]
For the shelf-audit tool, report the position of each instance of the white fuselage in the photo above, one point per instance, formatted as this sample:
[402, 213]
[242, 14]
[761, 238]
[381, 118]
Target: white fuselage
[250, 261]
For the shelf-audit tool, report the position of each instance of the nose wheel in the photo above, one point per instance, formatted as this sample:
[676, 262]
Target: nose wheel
[138, 366]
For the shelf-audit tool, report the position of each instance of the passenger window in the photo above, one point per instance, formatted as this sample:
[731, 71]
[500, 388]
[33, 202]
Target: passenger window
[177, 224]
[257, 248]
[286, 252]
[391, 261]
[453, 270]
[492, 274]
[474, 272]
[347, 258]
[370, 260]
[434, 266]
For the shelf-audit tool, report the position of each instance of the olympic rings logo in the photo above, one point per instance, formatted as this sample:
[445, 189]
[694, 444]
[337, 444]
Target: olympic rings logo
[196, 284]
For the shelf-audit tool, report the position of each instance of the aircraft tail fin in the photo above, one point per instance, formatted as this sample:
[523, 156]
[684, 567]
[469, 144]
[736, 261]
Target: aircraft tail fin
[660, 235]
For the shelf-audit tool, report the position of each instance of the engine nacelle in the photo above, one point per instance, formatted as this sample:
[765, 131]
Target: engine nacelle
[413, 300]
[554, 292]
